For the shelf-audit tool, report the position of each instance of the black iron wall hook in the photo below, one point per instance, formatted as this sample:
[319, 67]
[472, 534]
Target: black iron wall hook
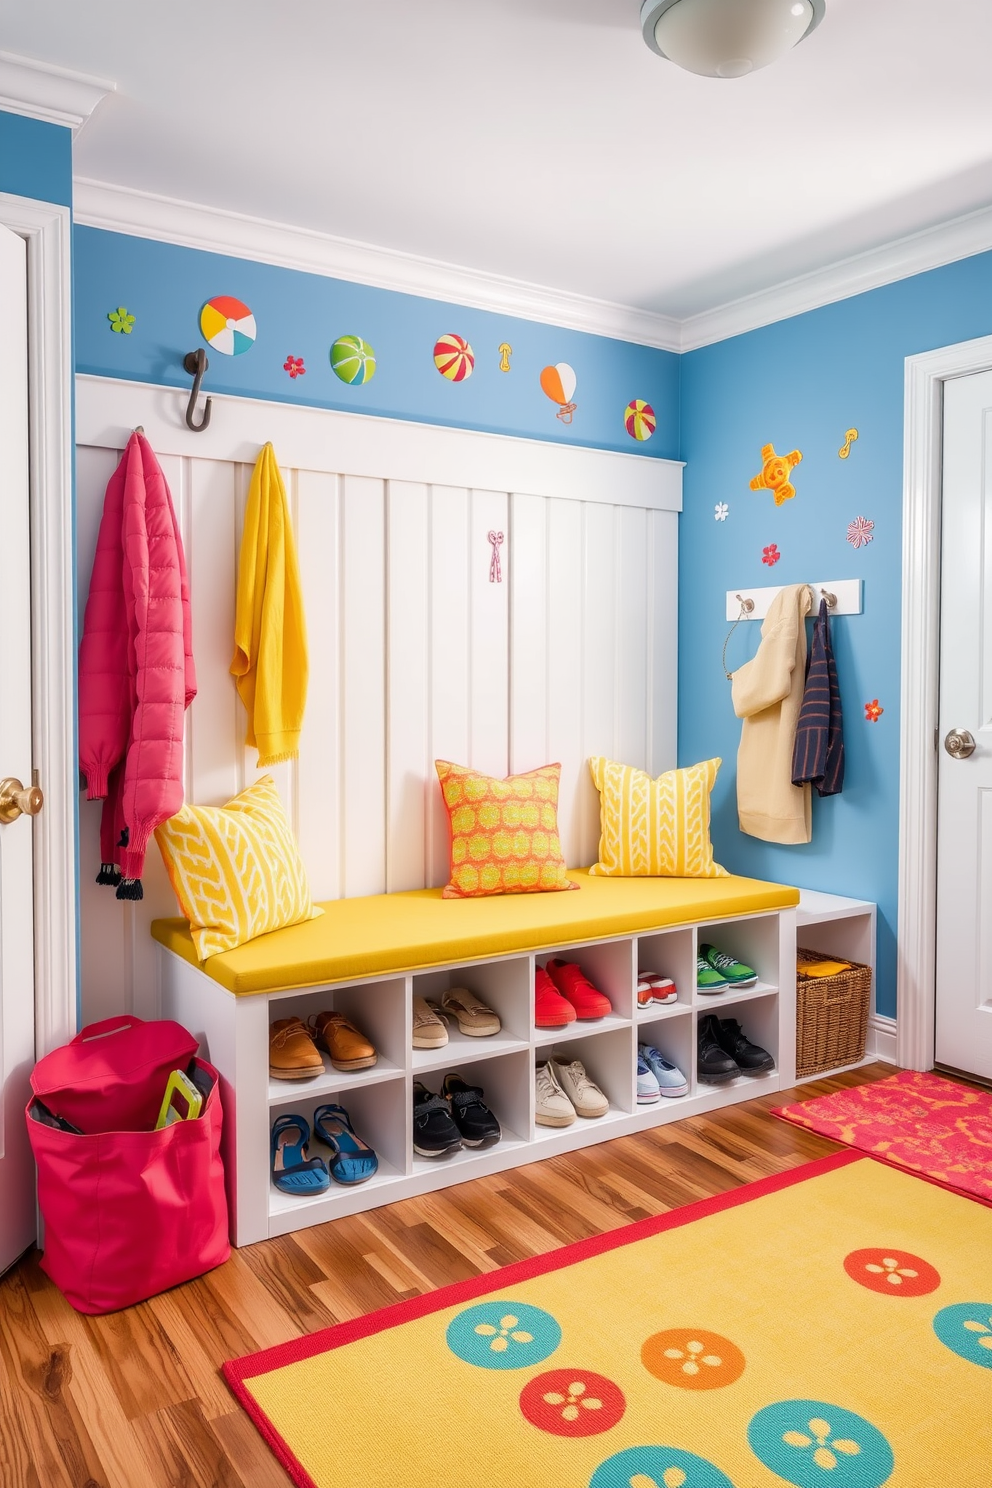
[195, 363]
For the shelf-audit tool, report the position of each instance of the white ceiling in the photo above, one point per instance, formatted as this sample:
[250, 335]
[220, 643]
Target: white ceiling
[538, 139]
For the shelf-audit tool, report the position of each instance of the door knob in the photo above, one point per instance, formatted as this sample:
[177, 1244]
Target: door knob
[959, 744]
[19, 800]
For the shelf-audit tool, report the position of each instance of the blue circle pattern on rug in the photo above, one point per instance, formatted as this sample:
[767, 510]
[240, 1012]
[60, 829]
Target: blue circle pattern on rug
[813, 1444]
[966, 1329]
[503, 1335]
[664, 1466]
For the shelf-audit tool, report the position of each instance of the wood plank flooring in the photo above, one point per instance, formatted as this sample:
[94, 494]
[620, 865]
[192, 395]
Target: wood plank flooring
[135, 1399]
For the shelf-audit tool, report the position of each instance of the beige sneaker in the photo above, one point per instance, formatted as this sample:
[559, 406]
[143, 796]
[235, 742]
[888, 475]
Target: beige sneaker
[473, 1017]
[553, 1106]
[586, 1097]
[428, 1030]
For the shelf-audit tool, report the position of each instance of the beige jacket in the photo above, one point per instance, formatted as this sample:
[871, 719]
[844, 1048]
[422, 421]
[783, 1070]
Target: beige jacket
[767, 693]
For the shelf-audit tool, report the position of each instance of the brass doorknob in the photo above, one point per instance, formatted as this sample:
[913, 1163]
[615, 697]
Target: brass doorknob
[19, 800]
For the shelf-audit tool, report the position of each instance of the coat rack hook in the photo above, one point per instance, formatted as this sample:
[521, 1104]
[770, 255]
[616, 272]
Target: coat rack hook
[747, 605]
[195, 363]
[830, 598]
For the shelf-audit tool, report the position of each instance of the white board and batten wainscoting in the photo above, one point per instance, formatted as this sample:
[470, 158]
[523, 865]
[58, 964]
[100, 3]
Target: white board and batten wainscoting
[415, 653]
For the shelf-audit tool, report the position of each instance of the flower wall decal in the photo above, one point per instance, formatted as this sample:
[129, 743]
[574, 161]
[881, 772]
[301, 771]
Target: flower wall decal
[859, 532]
[873, 711]
[294, 366]
[720, 511]
[770, 555]
[121, 320]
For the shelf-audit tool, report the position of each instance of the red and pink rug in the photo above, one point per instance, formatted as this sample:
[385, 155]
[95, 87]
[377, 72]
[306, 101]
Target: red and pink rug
[928, 1125]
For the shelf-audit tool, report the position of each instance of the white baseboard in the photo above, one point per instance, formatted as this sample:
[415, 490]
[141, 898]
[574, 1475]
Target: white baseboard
[881, 1040]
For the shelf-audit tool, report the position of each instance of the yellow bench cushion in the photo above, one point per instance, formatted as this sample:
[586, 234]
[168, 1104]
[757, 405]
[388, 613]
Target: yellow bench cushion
[393, 933]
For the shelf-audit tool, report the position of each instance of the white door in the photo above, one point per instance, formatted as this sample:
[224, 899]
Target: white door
[964, 822]
[17, 1210]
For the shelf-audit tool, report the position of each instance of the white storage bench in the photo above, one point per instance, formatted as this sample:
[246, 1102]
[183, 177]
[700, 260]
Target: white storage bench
[369, 957]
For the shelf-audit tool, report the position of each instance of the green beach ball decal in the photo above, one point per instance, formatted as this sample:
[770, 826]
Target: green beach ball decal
[353, 360]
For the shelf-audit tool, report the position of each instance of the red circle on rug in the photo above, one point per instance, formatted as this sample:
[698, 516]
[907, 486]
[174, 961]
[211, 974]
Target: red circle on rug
[572, 1402]
[692, 1358]
[897, 1273]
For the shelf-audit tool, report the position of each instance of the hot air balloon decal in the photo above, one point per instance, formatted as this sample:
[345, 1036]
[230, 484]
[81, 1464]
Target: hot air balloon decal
[558, 384]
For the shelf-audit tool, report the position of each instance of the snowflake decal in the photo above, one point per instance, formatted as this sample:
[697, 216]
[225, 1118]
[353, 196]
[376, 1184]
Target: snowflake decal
[770, 555]
[859, 532]
[294, 366]
[873, 711]
[120, 320]
[720, 511]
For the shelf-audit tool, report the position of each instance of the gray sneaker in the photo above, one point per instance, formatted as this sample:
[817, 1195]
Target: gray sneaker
[553, 1106]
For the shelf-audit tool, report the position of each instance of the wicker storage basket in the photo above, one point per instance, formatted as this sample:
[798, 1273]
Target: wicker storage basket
[831, 1015]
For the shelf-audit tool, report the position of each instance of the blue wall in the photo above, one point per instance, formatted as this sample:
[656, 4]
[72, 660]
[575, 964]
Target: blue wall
[301, 314]
[799, 384]
[35, 159]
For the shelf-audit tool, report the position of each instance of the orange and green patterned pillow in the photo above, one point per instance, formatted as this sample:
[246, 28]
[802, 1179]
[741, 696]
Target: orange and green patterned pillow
[655, 828]
[504, 833]
[236, 869]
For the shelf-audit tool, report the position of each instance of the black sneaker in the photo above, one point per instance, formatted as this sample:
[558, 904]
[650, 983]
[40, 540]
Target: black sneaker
[434, 1132]
[714, 1065]
[476, 1123]
[752, 1059]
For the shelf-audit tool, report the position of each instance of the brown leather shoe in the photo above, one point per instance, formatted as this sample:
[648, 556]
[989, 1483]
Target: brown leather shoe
[292, 1055]
[349, 1049]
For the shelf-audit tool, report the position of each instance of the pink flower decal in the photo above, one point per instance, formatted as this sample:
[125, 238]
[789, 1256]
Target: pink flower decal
[771, 554]
[873, 711]
[859, 532]
[294, 366]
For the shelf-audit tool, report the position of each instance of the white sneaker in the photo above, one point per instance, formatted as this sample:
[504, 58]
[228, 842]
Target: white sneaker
[648, 1090]
[586, 1097]
[553, 1106]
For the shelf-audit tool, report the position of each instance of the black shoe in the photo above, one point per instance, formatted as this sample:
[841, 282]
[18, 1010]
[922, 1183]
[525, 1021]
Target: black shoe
[752, 1059]
[434, 1132]
[476, 1123]
[714, 1065]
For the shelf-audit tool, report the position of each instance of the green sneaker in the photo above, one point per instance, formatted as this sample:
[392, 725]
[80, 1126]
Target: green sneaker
[707, 979]
[735, 973]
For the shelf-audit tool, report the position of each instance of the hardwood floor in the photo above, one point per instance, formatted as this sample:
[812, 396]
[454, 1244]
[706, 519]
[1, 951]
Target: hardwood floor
[135, 1399]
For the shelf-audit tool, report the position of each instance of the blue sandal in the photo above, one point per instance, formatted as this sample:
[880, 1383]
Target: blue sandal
[353, 1160]
[292, 1171]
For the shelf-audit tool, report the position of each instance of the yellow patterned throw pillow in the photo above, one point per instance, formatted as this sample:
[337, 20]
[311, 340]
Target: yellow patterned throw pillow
[236, 869]
[655, 828]
[504, 833]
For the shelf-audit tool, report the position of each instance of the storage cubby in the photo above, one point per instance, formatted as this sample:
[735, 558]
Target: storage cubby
[233, 1033]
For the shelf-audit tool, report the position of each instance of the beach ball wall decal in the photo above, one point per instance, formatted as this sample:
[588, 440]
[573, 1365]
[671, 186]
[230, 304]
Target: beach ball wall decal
[353, 360]
[639, 419]
[228, 325]
[558, 384]
[453, 357]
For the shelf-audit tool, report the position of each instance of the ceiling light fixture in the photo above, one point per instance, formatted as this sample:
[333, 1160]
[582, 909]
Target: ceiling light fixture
[727, 38]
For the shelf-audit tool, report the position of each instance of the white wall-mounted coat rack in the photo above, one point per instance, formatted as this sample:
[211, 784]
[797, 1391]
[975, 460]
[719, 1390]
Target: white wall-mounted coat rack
[848, 593]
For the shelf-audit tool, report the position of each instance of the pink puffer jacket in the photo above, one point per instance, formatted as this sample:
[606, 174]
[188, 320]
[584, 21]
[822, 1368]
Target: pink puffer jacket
[136, 673]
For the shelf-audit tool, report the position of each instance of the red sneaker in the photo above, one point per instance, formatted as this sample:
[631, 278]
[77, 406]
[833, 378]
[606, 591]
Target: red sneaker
[586, 999]
[653, 988]
[551, 1010]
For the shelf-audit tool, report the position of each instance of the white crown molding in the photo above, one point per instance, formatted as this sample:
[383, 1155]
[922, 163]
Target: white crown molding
[948, 241]
[139, 213]
[54, 94]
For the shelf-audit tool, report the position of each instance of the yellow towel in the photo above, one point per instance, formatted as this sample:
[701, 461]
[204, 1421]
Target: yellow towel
[820, 968]
[270, 637]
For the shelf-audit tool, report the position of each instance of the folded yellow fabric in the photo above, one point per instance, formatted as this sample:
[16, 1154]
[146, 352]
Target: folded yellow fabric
[270, 637]
[235, 869]
[655, 828]
[820, 968]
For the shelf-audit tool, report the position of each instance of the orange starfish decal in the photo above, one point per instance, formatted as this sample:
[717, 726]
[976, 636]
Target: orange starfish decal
[775, 473]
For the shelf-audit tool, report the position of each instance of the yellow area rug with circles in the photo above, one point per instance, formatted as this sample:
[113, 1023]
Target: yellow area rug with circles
[829, 1327]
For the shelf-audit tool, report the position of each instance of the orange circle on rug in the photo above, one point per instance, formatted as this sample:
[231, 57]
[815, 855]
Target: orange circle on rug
[692, 1358]
[572, 1402]
[897, 1273]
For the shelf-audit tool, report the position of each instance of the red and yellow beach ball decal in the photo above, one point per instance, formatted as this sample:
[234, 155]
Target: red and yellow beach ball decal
[639, 419]
[453, 357]
[228, 325]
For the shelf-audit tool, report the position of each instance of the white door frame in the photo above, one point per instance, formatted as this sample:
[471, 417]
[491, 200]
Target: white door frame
[923, 455]
[46, 229]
